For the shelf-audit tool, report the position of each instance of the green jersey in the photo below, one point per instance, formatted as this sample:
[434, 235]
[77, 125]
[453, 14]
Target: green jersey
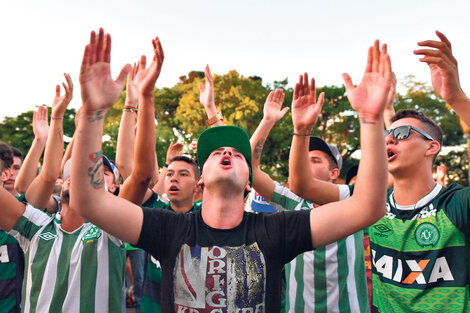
[79, 271]
[421, 254]
[330, 278]
[153, 272]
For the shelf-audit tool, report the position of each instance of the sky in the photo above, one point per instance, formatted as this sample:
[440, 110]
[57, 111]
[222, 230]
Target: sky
[275, 40]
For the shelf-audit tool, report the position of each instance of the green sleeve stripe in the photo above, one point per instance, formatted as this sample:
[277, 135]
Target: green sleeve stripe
[299, 279]
[360, 271]
[63, 269]
[26, 228]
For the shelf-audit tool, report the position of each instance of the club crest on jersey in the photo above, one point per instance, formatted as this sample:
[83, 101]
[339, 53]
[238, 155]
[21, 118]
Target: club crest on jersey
[92, 235]
[47, 236]
[426, 234]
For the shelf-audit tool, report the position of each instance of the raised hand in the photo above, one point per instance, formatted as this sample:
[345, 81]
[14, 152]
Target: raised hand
[369, 97]
[193, 146]
[305, 105]
[147, 77]
[132, 92]
[40, 124]
[173, 150]
[206, 96]
[99, 91]
[272, 107]
[443, 66]
[60, 103]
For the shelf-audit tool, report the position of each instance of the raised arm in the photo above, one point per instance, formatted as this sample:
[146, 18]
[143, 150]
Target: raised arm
[88, 198]
[336, 220]
[207, 99]
[272, 113]
[126, 136]
[10, 211]
[136, 186]
[29, 168]
[40, 191]
[305, 111]
[389, 110]
[445, 74]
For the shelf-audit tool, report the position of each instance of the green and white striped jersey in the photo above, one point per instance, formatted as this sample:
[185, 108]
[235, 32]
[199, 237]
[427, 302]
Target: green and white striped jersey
[80, 271]
[330, 278]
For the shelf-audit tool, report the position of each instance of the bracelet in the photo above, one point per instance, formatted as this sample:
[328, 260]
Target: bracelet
[131, 110]
[130, 107]
[295, 134]
[57, 118]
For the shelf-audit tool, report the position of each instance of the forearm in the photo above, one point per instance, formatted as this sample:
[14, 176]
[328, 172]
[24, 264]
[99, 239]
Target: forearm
[159, 187]
[29, 168]
[125, 143]
[371, 185]
[388, 113]
[299, 170]
[262, 183]
[461, 106]
[87, 185]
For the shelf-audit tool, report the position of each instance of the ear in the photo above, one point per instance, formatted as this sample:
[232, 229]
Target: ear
[433, 148]
[248, 187]
[334, 174]
[5, 175]
[200, 183]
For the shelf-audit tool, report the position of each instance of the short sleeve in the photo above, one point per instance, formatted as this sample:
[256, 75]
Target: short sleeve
[285, 199]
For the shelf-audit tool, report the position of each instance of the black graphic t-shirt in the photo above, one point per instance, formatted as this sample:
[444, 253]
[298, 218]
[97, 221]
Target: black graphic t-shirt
[232, 270]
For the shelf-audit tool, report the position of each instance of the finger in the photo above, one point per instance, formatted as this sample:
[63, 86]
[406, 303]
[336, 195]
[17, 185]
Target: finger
[85, 61]
[383, 55]
[387, 69]
[296, 91]
[159, 48]
[201, 88]
[282, 96]
[375, 57]
[69, 81]
[107, 49]
[369, 60]
[121, 79]
[284, 111]
[99, 46]
[92, 58]
[348, 82]
[321, 99]
[142, 63]
[57, 90]
[313, 91]
[306, 91]
[300, 92]
[65, 88]
[433, 44]
[444, 39]
[208, 74]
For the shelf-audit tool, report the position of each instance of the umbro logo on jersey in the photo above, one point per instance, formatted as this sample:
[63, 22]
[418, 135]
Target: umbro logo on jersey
[47, 236]
[383, 230]
[394, 269]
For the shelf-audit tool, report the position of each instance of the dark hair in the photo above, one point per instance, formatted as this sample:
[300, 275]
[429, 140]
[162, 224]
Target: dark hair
[17, 153]
[6, 156]
[188, 160]
[430, 126]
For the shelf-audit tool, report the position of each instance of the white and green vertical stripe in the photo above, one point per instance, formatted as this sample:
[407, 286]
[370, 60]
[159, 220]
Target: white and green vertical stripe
[81, 271]
[329, 279]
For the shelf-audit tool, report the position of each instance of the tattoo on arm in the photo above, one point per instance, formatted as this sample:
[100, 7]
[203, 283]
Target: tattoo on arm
[95, 172]
[258, 148]
[98, 116]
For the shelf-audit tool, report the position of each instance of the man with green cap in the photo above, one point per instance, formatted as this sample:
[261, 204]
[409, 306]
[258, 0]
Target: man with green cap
[219, 259]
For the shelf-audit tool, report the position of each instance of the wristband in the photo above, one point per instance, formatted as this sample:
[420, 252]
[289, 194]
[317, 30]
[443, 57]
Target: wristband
[302, 135]
[131, 110]
[57, 118]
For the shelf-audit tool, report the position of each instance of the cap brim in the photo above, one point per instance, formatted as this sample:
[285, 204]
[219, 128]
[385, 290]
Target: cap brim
[223, 136]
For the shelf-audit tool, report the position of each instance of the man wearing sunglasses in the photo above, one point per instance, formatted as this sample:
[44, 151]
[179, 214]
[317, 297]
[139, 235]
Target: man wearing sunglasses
[421, 248]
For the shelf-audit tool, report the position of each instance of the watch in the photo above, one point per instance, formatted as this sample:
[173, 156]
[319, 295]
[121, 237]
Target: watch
[218, 117]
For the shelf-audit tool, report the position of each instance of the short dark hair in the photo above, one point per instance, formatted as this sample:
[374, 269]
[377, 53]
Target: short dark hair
[6, 156]
[17, 153]
[188, 160]
[430, 126]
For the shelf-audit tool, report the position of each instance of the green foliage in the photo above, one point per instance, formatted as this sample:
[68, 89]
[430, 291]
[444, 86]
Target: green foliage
[180, 117]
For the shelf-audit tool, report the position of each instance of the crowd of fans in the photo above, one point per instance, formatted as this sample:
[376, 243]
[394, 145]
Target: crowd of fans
[194, 235]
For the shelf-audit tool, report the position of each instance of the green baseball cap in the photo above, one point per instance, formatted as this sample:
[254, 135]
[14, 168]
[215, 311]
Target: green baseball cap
[224, 136]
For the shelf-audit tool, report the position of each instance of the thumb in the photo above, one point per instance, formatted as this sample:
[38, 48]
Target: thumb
[201, 88]
[121, 79]
[284, 111]
[347, 82]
